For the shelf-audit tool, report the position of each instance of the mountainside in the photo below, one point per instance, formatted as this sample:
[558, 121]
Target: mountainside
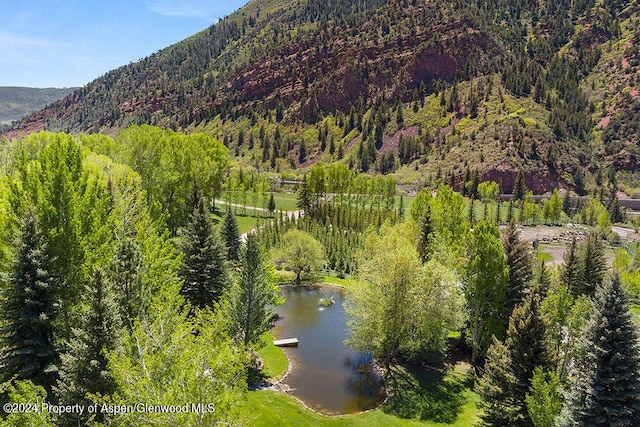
[17, 102]
[424, 89]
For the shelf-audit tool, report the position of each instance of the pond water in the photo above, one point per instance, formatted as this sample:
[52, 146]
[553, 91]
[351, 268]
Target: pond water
[326, 375]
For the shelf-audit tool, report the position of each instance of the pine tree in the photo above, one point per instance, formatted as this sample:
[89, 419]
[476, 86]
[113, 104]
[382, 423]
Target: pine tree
[528, 350]
[520, 266]
[605, 390]
[302, 155]
[230, 234]
[510, 367]
[614, 209]
[125, 272]
[202, 269]
[493, 387]
[594, 264]
[571, 272]
[519, 187]
[304, 202]
[253, 297]
[401, 209]
[271, 205]
[543, 279]
[425, 236]
[26, 319]
[84, 365]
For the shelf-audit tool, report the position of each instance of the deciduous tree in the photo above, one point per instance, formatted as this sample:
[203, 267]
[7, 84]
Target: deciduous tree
[485, 286]
[299, 252]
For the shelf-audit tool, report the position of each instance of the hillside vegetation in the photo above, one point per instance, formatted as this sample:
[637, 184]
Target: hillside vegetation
[424, 89]
[17, 102]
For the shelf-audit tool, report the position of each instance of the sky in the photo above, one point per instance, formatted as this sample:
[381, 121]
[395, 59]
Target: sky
[66, 43]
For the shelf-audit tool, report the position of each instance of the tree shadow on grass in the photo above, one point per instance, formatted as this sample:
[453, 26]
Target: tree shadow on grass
[436, 395]
[256, 378]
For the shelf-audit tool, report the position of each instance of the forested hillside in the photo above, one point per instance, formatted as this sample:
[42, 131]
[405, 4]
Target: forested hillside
[17, 102]
[422, 89]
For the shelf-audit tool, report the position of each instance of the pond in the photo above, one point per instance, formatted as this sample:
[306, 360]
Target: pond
[326, 375]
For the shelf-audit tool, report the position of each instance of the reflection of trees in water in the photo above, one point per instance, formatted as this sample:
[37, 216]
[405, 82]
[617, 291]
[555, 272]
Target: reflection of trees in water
[365, 382]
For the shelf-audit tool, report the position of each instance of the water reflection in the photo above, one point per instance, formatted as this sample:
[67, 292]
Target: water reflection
[326, 375]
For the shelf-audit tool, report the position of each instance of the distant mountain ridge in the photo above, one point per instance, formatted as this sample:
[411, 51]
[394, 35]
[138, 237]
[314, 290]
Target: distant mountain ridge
[17, 102]
[425, 89]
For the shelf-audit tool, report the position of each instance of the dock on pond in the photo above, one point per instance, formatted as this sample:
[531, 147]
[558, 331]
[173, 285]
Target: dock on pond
[288, 342]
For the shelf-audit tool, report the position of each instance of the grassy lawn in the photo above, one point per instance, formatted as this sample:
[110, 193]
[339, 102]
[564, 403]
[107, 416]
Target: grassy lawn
[286, 201]
[245, 223]
[332, 280]
[275, 362]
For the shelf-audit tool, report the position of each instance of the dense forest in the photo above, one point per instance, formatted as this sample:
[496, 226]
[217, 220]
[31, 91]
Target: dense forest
[413, 88]
[123, 284]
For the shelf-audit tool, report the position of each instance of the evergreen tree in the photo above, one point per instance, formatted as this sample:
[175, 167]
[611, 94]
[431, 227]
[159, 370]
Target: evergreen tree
[26, 319]
[520, 266]
[401, 209]
[230, 234]
[567, 205]
[302, 155]
[125, 272]
[425, 235]
[202, 268]
[493, 387]
[614, 209]
[594, 264]
[304, 202]
[253, 297]
[571, 271]
[543, 279]
[84, 367]
[519, 187]
[528, 351]
[271, 205]
[605, 390]
[510, 367]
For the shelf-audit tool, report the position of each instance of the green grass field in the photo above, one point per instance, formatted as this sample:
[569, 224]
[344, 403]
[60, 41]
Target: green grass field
[275, 362]
[245, 223]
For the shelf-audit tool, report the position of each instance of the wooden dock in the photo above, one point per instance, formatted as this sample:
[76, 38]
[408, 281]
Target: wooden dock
[288, 342]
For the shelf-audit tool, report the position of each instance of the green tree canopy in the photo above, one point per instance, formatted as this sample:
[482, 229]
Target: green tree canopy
[299, 252]
[485, 287]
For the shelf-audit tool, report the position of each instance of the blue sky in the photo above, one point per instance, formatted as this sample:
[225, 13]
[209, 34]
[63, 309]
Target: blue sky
[64, 43]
